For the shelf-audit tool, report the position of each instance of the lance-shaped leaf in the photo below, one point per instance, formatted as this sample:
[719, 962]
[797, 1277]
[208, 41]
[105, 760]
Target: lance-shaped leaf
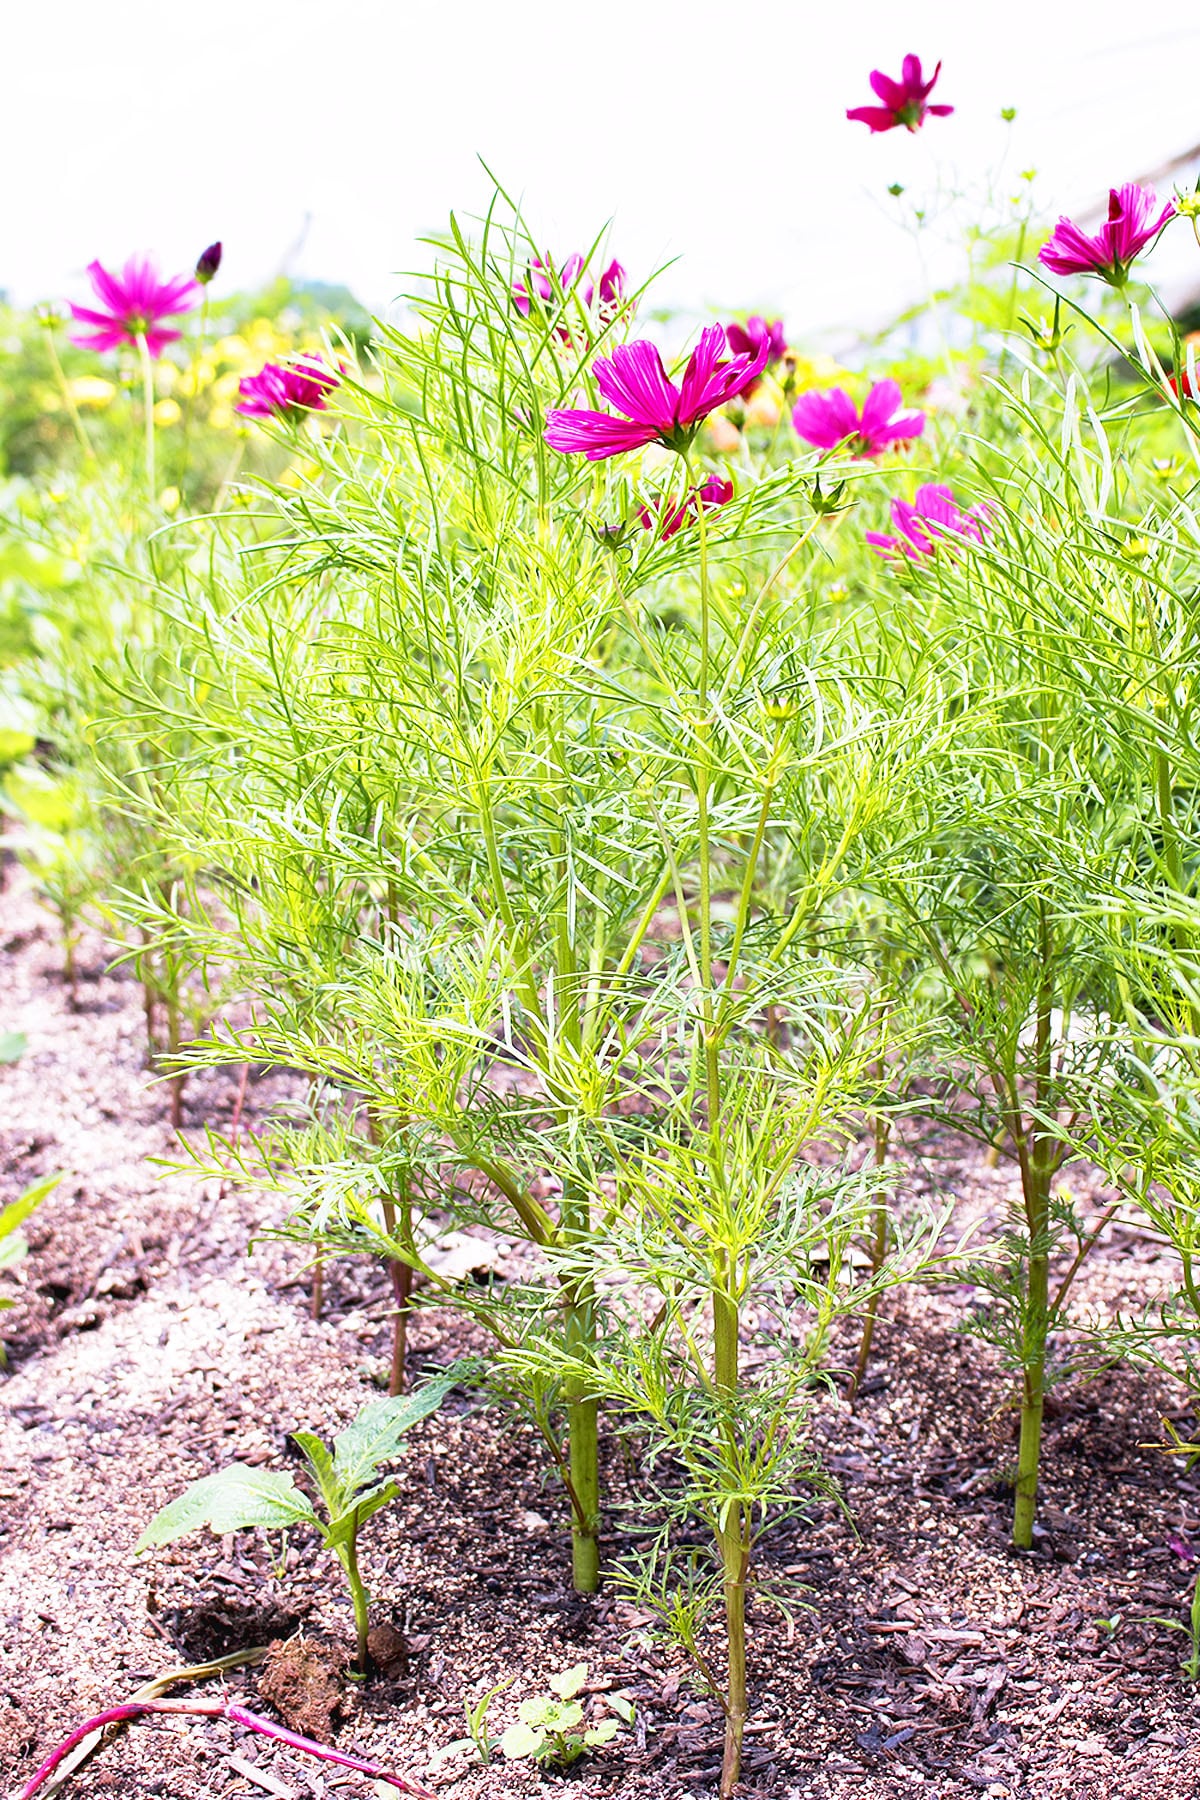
[321, 1464]
[231, 1500]
[374, 1437]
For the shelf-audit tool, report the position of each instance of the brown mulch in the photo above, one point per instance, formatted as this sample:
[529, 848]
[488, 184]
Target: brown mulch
[922, 1654]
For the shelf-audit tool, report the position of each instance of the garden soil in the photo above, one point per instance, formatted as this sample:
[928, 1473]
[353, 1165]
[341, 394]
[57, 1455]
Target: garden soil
[917, 1654]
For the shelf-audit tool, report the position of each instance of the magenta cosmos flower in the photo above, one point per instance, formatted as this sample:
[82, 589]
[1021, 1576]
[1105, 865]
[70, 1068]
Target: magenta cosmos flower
[135, 303]
[543, 280]
[1129, 227]
[933, 516]
[286, 390]
[612, 284]
[829, 420]
[716, 491]
[634, 381]
[744, 340]
[905, 102]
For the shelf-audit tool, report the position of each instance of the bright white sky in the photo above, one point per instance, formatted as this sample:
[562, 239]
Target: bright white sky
[707, 130]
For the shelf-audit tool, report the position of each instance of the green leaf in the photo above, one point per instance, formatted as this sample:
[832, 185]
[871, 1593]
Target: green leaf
[13, 1045]
[601, 1734]
[521, 1740]
[567, 1684]
[343, 1525]
[554, 1715]
[375, 1436]
[18, 1210]
[321, 1464]
[622, 1705]
[231, 1500]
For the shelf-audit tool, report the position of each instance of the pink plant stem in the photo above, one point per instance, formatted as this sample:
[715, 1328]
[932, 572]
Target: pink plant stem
[134, 1709]
[217, 1709]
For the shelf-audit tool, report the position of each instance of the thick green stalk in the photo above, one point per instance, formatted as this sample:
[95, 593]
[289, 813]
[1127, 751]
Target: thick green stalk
[736, 1561]
[584, 1452]
[1033, 1386]
[575, 1221]
[878, 1252]
[879, 1238]
[358, 1596]
[400, 1276]
[731, 1532]
[734, 1551]
[1038, 1161]
[583, 1442]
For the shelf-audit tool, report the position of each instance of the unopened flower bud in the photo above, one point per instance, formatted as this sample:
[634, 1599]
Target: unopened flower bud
[208, 262]
[825, 505]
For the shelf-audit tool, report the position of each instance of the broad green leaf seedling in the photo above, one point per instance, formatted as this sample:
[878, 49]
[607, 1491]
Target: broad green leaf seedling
[348, 1491]
[550, 1729]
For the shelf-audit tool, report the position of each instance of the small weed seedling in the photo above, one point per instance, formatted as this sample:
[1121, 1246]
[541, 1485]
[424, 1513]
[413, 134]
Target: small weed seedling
[1191, 1664]
[479, 1738]
[548, 1728]
[236, 1498]
[13, 1247]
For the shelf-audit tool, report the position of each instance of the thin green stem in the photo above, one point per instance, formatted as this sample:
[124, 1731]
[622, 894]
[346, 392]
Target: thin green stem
[704, 834]
[148, 413]
[64, 387]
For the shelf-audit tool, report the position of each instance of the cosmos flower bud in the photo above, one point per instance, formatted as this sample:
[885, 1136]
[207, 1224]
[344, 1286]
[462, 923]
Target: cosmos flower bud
[207, 263]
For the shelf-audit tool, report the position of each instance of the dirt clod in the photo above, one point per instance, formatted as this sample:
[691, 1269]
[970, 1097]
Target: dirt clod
[301, 1679]
[388, 1650]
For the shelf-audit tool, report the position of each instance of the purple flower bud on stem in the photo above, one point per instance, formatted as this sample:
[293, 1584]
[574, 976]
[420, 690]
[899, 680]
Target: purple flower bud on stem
[208, 262]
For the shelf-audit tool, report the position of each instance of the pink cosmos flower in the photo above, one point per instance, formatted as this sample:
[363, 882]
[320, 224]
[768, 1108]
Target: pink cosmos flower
[1128, 228]
[634, 381]
[542, 278]
[827, 420]
[905, 102]
[716, 491]
[135, 302]
[745, 339]
[612, 284]
[933, 515]
[286, 390]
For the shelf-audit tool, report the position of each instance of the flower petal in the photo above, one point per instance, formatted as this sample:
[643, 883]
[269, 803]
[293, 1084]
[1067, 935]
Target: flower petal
[634, 381]
[825, 420]
[878, 118]
[595, 435]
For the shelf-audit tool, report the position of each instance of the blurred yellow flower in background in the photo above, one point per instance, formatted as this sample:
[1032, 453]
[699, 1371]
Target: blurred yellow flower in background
[91, 390]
